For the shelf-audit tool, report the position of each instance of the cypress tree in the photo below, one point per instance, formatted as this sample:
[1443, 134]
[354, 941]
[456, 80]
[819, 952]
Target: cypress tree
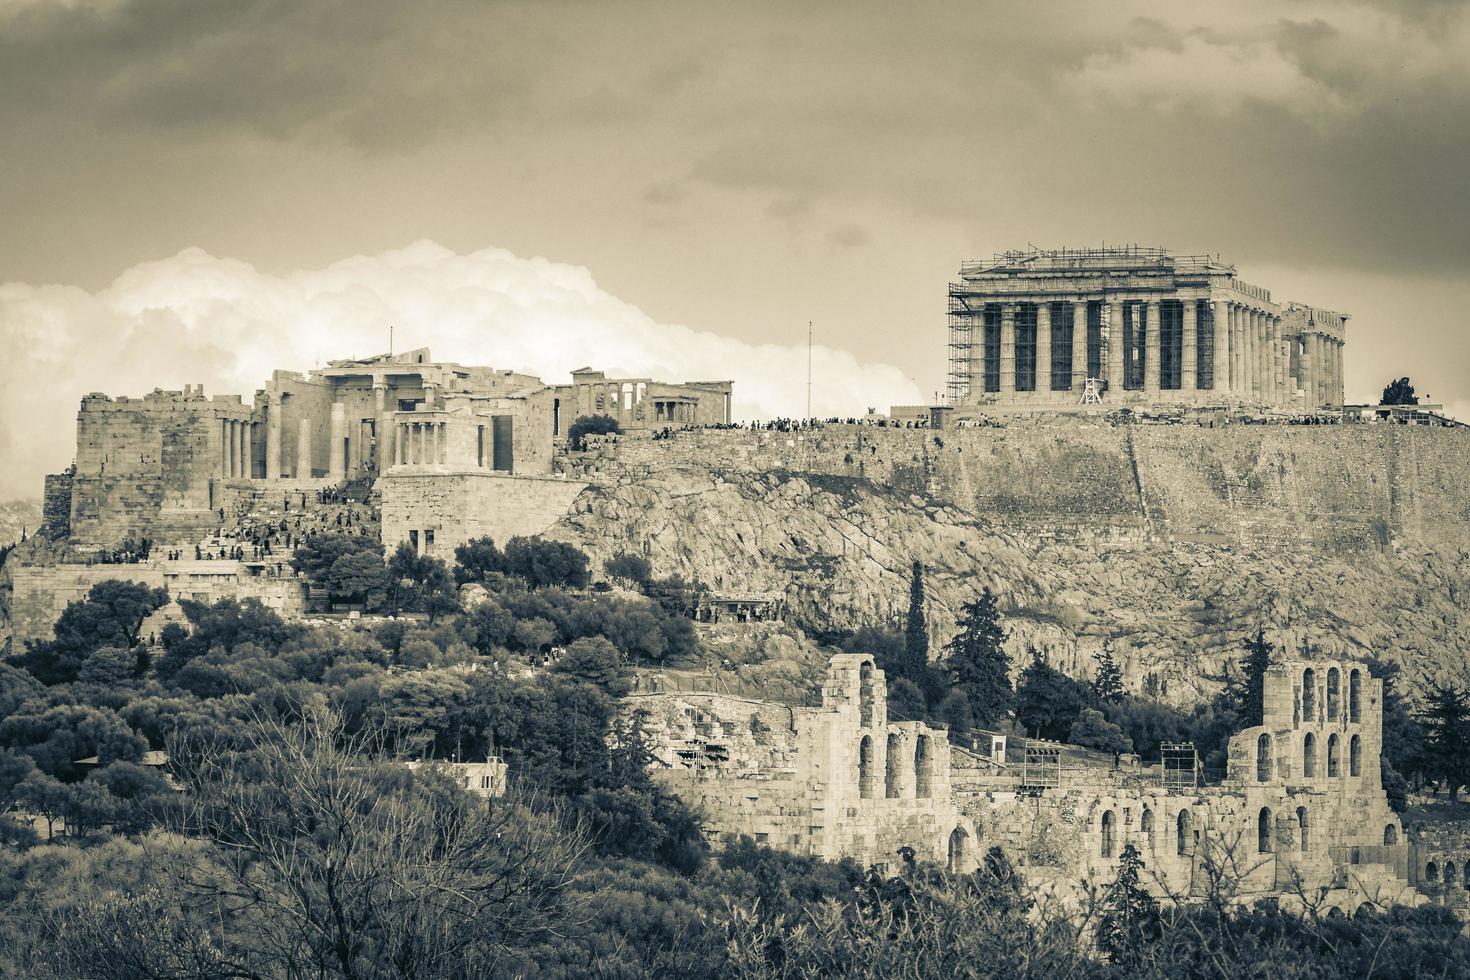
[977, 661]
[1129, 918]
[1253, 694]
[916, 632]
[1107, 686]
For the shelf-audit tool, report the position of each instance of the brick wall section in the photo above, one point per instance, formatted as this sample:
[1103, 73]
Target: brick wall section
[470, 504]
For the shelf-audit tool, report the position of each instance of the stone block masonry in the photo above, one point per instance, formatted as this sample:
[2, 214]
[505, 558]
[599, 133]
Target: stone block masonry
[438, 511]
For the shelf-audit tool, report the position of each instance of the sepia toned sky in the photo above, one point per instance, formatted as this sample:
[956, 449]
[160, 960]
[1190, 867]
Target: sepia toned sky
[181, 179]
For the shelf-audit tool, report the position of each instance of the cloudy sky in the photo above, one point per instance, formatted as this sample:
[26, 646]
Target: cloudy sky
[199, 190]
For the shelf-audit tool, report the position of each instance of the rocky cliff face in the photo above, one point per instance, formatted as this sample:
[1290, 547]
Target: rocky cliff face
[1354, 544]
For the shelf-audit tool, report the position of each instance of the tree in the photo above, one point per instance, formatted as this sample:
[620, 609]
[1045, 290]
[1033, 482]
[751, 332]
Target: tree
[488, 627]
[1107, 685]
[359, 577]
[591, 425]
[110, 616]
[546, 563]
[1446, 720]
[631, 568]
[916, 631]
[1399, 392]
[1251, 693]
[977, 661]
[1091, 730]
[422, 583]
[476, 560]
[1129, 917]
[1047, 700]
[596, 661]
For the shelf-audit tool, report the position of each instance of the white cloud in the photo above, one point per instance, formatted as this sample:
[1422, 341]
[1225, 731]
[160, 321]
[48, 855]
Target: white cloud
[195, 318]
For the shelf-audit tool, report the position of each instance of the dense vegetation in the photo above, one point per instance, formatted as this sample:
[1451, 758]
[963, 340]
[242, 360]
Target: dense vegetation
[286, 839]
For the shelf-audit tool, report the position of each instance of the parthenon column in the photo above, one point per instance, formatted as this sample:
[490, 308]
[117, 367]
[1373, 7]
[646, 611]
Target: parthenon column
[1043, 346]
[1150, 322]
[336, 472]
[1309, 370]
[1189, 358]
[303, 449]
[1079, 346]
[273, 436]
[1007, 348]
[1258, 354]
[1337, 372]
[1219, 323]
[1283, 351]
[1273, 362]
[1114, 366]
[1241, 385]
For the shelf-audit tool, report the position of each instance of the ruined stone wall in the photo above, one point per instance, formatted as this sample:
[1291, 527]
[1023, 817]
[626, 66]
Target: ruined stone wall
[56, 505]
[148, 466]
[41, 593]
[470, 504]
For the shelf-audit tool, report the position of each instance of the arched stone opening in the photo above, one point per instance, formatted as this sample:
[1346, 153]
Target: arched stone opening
[1107, 834]
[1334, 680]
[1390, 835]
[1355, 756]
[1431, 873]
[890, 768]
[959, 851]
[1355, 695]
[1185, 831]
[1451, 879]
[1302, 829]
[1263, 758]
[1309, 755]
[1146, 824]
[1264, 843]
[1309, 696]
[866, 776]
[1333, 765]
[923, 767]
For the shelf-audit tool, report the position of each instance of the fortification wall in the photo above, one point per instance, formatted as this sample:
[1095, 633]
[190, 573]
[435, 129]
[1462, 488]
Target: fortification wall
[470, 504]
[1337, 488]
[56, 505]
[41, 593]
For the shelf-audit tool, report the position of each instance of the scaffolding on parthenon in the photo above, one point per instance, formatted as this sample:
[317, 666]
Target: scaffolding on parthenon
[961, 347]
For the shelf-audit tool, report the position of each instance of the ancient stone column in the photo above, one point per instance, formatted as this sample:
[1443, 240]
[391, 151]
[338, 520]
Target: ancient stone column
[381, 427]
[1337, 373]
[1043, 347]
[1241, 385]
[431, 391]
[1189, 359]
[224, 447]
[1255, 343]
[1272, 387]
[1114, 366]
[1007, 348]
[1150, 327]
[303, 449]
[1309, 369]
[242, 450]
[273, 436]
[336, 471]
[1219, 323]
[1079, 346]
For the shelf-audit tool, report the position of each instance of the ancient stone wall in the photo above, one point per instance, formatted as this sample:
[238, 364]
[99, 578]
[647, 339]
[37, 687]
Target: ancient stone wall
[42, 592]
[56, 505]
[469, 504]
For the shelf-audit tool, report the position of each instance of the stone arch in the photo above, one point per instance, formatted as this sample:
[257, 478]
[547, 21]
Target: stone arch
[1390, 835]
[958, 858]
[1355, 695]
[1450, 877]
[1263, 758]
[1309, 755]
[1366, 909]
[867, 704]
[1303, 829]
[1334, 913]
[1264, 837]
[1466, 872]
[1431, 873]
[1309, 695]
[1183, 825]
[1106, 829]
[1334, 694]
[923, 767]
[866, 775]
[1355, 756]
[1146, 825]
[890, 768]
[1334, 767]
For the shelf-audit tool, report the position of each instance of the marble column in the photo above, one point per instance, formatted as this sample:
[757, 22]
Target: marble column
[1114, 365]
[1043, 347]
[1273, 383]
[273, 436]
[1079, 347]
[1189, 359]
[384, 438]
[1150, 324]
[336, 456]
[224, 447]
[1337, 372]
[1237, 331]
[1007, 348]
[1253, 348]
[1308, 370]
[1219, 323]
[242, 449]
[303, 449]
[443, 443]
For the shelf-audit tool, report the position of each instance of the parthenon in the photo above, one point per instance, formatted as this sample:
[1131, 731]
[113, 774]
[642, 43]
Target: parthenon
[1138, 326]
